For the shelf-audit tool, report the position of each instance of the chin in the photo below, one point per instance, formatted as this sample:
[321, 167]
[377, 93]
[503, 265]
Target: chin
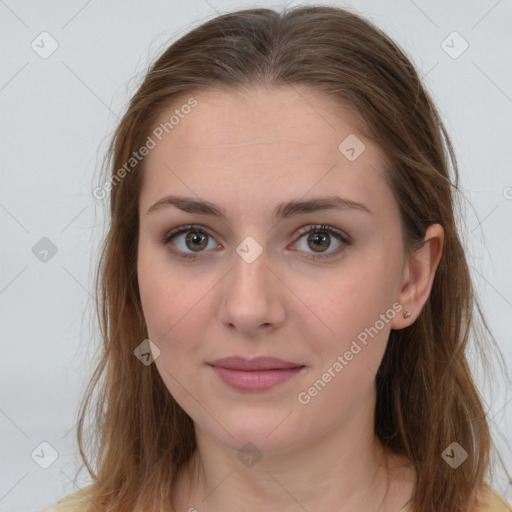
[265, 437]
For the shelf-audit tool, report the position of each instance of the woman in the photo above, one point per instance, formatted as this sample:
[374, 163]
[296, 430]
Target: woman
[286, 302]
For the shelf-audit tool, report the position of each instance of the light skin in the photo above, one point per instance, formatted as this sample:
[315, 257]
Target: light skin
[247, 153]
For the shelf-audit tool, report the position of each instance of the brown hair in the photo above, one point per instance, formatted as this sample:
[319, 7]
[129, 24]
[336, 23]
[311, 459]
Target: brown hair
[426, 396]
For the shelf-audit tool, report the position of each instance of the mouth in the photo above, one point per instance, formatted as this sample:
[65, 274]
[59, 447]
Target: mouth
[258, 374]
[256, 363]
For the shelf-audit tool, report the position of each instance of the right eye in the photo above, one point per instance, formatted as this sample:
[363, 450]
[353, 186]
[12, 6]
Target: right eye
[195, 241]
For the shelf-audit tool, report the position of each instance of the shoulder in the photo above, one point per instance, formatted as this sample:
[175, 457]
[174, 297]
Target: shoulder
[488, 500]
[491, 500]
[70, 503]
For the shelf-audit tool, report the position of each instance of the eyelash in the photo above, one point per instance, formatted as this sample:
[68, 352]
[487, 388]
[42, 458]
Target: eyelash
[339, 235]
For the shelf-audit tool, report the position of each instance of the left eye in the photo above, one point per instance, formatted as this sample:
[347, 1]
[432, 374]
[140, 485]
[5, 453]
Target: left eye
[320, 238]
[197, 239]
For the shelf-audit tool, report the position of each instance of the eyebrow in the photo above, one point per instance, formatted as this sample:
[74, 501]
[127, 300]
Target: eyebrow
[282, 211]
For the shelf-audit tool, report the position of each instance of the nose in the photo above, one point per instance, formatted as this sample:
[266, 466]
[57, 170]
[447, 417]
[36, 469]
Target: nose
[252, 296]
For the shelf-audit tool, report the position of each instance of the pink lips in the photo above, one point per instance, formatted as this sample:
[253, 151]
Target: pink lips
[258, 374]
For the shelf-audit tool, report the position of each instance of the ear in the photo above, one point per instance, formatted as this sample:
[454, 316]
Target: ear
[418, 276]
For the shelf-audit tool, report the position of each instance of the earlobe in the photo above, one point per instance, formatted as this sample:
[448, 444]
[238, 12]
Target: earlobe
[418, 277]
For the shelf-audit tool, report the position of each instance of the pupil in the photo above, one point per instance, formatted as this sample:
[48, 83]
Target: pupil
[196, 239]
[318, 239]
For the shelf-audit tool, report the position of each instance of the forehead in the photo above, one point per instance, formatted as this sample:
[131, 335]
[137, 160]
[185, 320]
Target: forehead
[284, 141]
[258, 115]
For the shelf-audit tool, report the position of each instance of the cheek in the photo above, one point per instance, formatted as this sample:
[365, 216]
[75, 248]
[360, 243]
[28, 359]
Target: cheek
[175, 306]
[168, 308]
[164, 297]
[341, 304]
[347, 359]
[349, 315]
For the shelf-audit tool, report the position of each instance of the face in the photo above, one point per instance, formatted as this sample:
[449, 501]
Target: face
[314, 287]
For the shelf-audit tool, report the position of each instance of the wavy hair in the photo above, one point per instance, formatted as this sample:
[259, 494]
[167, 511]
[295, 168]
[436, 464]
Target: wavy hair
[426, 394]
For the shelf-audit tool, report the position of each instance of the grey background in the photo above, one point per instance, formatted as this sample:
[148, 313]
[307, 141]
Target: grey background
[57, 114]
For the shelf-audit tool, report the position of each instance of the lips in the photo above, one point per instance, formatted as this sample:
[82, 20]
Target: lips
[257, 363]
[255, 375]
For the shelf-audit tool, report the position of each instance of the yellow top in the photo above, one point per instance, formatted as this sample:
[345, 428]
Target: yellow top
[491, 501]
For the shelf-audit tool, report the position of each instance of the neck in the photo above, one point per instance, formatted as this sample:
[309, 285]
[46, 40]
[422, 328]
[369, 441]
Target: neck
[346, 469]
